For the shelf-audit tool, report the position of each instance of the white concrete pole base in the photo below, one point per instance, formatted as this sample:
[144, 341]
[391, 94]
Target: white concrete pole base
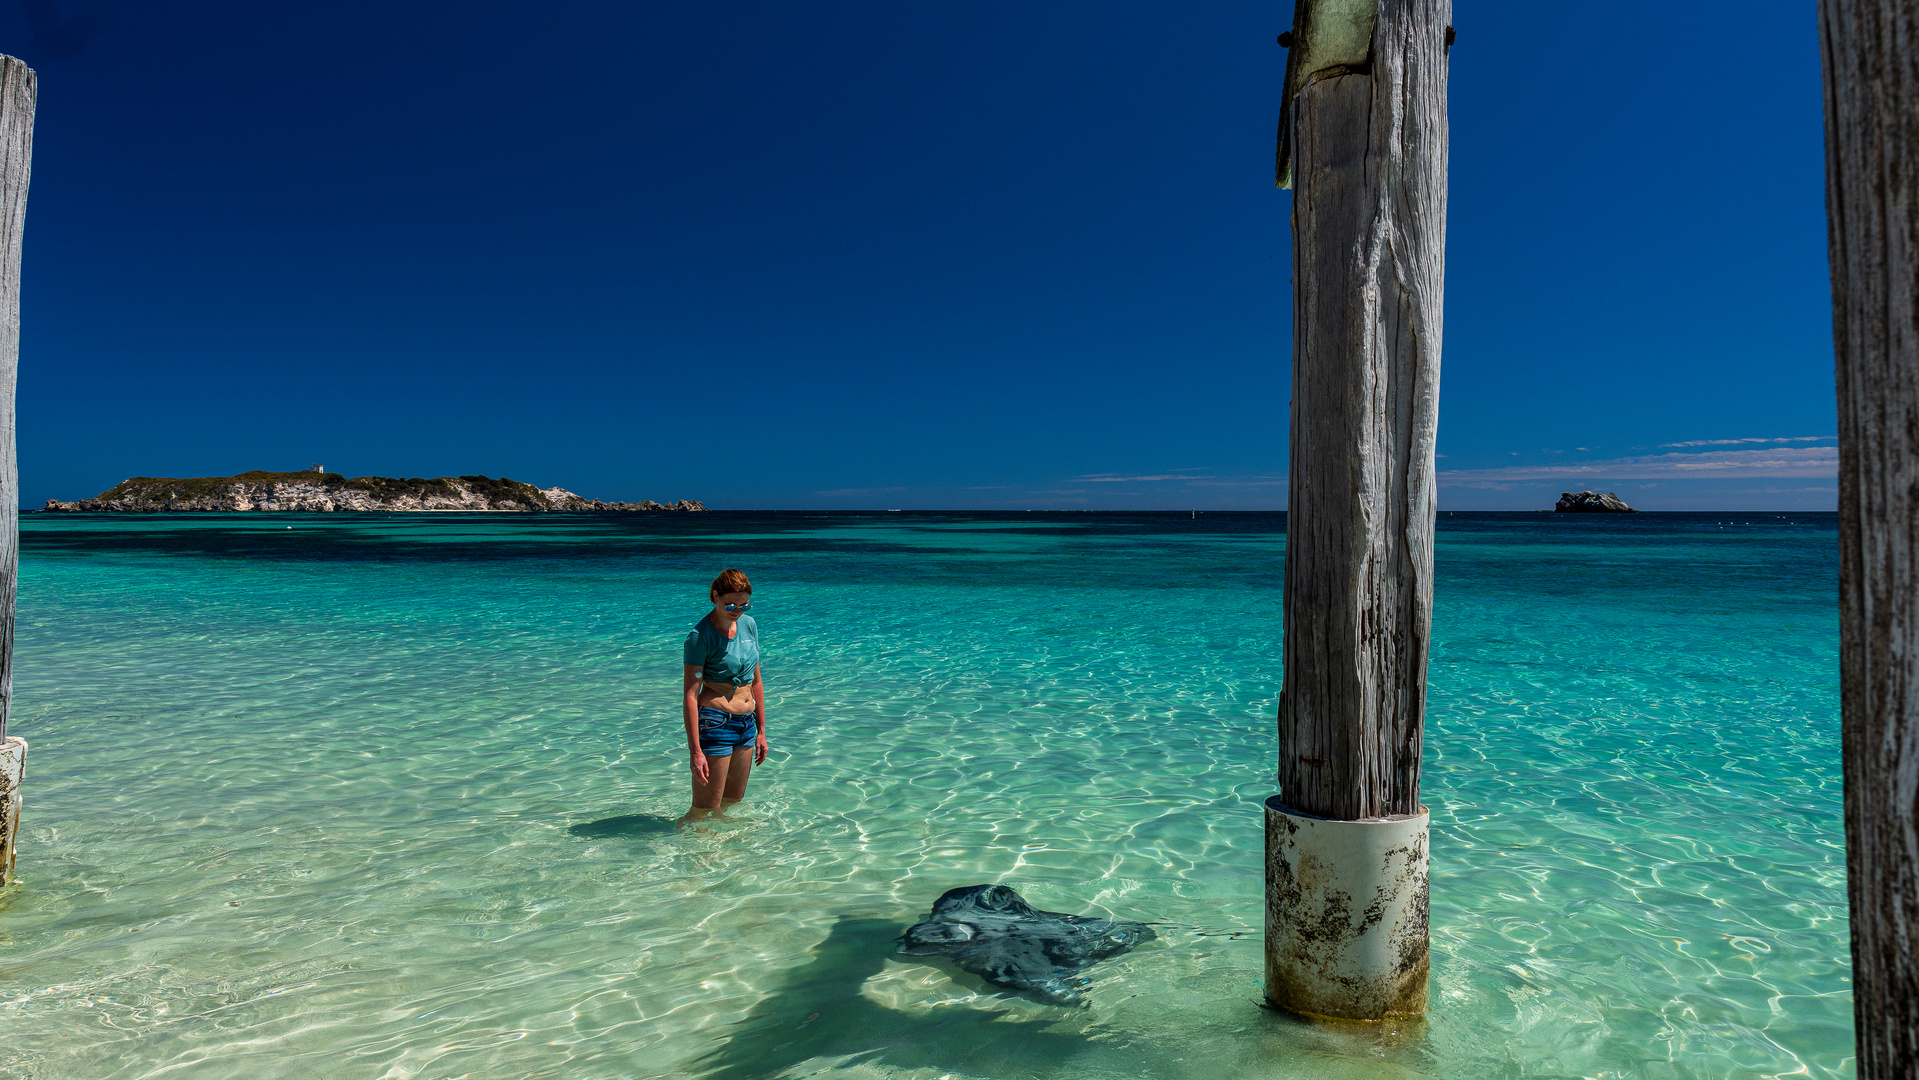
[1346, 929]
[13, 770]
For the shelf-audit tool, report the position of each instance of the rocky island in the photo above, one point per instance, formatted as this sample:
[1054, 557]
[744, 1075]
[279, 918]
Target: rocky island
[1591, 502]
[327, 492]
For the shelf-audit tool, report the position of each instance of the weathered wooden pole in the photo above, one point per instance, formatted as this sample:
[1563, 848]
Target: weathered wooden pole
[19, 88]
[1870, 54]
[1363, 145]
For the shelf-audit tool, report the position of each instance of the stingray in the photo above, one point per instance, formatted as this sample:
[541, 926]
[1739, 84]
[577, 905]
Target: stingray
[989, 931]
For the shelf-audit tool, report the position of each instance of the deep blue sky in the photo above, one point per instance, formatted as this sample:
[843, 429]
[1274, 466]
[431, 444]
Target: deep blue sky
[891, 254]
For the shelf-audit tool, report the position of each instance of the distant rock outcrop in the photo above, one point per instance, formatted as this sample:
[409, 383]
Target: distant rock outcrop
[558, 498]
[328, 492]
[1591, 502]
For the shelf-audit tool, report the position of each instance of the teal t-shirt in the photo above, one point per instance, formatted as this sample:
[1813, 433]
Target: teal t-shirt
[722, 659]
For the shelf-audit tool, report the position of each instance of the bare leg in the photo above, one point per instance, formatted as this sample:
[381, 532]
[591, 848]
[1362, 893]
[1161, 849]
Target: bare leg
[736, 775]
[706, 797]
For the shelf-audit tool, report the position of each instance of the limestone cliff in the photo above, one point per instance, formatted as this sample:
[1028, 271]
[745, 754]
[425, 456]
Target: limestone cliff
[327, 492]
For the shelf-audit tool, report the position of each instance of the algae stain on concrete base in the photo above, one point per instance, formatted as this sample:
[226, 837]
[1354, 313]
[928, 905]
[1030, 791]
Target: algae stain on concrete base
[13, 770]
[1346, 914]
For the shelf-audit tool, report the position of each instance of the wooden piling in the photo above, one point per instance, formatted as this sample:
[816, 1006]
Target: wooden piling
[1363, 143]
[1872, 208]
[19, 91]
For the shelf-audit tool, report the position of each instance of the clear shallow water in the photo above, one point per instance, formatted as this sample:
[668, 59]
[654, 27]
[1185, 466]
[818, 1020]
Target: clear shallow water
[392, 797]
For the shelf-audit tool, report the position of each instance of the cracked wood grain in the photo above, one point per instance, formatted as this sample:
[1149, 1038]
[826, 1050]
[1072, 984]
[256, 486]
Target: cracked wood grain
[1869, 51]
[18, 94]
[19, 91]
[1369, 227]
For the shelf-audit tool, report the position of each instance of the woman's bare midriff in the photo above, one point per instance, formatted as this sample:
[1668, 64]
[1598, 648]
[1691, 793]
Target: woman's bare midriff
[737, 700]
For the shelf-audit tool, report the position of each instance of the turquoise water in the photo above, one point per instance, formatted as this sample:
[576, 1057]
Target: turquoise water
[393, 797]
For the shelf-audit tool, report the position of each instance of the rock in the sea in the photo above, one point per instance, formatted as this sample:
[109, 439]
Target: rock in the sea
[1591, 502]
[989, 931]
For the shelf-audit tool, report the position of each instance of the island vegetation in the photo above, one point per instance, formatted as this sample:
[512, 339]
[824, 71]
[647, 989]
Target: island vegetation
[315, 490]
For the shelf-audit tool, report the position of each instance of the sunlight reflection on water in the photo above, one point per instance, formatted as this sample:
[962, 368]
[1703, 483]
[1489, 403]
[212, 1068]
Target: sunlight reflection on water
[385, 797]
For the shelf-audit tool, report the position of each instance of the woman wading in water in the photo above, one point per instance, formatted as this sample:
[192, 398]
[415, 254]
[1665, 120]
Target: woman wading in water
[725, 698]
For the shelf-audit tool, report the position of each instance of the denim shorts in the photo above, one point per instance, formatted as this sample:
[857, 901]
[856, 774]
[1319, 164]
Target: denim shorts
[721, 731]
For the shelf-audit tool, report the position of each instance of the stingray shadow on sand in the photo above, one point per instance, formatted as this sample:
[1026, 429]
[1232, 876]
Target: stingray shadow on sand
[818, 1011]
[624, 825]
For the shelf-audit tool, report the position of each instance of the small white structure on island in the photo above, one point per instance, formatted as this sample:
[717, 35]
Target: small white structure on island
[317, 467]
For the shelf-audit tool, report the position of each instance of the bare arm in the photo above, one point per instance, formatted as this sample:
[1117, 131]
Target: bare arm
[690, 702]
[759, 706]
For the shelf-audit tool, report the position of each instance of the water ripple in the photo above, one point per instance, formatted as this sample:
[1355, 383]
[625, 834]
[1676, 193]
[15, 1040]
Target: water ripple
[391, 799]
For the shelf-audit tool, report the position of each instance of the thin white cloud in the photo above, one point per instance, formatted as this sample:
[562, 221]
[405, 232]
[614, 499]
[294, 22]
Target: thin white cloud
[1195, 473]
[1187, 476]
[1240, 481]
[1735, 442]
[1811, 462]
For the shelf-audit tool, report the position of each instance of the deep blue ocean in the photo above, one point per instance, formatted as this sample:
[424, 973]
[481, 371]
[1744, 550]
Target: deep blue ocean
[393, 796]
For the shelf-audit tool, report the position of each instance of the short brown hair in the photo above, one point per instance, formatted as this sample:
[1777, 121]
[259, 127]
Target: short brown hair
[731, 581]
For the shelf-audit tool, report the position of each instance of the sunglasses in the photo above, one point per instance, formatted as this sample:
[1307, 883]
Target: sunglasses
[730, 608]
